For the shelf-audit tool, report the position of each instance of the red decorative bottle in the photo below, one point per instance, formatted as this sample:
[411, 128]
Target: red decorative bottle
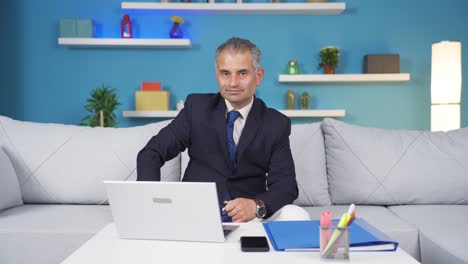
[126, 29]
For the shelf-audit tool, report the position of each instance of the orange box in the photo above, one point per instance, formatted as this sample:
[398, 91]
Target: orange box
[151, 86]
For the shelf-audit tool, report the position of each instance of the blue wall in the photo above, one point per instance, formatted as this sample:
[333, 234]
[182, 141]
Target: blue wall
[44, 82]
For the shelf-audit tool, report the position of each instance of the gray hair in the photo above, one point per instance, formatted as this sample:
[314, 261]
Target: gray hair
[240, 45]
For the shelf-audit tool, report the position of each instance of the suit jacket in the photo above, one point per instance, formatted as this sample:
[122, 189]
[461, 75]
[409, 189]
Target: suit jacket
[265, 168]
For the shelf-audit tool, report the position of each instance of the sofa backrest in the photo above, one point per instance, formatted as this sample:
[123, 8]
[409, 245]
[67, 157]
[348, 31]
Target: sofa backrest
[67, 164]
[391, 167]
[10, 193]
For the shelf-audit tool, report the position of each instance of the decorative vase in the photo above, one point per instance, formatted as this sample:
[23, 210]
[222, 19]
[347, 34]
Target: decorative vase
[290, 99]
[180, 105]
[327, 69]
[176, 32]
[292, 67]
[126, 27]
[305, 100]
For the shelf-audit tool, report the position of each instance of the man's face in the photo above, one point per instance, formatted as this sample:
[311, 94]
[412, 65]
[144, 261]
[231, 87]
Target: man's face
[237, 78]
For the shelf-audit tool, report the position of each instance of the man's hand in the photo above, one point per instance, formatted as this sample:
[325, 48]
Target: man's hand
[241, 209]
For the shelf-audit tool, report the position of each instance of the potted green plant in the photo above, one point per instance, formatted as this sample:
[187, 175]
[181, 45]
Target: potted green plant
[329, 58]
[101, 106]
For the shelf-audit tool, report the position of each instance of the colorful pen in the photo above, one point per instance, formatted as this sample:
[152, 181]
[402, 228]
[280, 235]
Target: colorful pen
[325, 221]
[351, 209]
[351, 214]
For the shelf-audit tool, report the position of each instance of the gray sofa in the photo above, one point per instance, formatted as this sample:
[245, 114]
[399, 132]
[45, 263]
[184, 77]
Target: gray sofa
[412, 185]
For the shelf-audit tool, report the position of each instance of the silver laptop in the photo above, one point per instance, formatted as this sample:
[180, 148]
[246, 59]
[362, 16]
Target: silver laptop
[186, 211]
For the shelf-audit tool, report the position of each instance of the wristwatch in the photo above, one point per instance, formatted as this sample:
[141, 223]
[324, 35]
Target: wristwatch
[261, 210]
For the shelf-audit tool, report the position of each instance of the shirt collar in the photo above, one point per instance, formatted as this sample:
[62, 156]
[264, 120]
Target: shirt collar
[244, 111]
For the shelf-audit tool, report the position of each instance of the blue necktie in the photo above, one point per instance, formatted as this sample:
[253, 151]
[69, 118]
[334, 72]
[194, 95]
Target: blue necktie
[231, 118]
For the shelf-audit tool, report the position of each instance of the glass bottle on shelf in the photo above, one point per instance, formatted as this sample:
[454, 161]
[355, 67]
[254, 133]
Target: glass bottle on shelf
[176, 31]
[292, 67]
[126, 27]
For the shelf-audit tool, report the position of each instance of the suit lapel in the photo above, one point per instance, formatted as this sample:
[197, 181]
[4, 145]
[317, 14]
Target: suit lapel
[220, 126]
[251, 126]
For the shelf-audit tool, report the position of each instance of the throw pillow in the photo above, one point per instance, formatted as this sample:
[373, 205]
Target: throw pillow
[391, 167]
[58, 163]
[306, 141]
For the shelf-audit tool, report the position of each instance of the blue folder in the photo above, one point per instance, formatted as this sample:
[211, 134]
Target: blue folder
[304, 235]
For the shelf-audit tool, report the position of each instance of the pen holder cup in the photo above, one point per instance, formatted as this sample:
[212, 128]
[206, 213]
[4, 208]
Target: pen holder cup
[334, 243]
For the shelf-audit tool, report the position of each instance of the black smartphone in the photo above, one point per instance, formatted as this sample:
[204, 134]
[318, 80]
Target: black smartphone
[254, 244]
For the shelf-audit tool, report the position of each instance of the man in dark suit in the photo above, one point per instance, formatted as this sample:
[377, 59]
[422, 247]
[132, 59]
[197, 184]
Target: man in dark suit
[233, 139]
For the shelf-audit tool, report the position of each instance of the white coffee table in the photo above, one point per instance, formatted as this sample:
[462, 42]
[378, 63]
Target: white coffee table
[107, 247]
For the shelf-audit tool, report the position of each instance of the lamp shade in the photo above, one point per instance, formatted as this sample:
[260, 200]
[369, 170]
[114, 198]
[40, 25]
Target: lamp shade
[446, 72]
[445, 117]
[446, 84]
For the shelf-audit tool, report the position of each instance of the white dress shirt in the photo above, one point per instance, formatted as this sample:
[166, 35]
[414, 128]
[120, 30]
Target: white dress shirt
[240, 121]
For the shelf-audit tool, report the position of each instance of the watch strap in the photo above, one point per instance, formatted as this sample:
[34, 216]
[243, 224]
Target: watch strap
[260, 209]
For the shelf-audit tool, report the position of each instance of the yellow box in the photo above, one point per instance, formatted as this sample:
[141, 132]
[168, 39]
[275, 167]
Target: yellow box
[152, 100]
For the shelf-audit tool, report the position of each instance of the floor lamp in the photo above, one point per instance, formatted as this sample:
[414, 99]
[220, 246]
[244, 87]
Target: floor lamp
[446, 80]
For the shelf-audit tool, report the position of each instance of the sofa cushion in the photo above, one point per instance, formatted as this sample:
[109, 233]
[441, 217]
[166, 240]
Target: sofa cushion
[55, 218]
[67, 164]
[383, 219]
[442, 230]
[10, 194]
[48, 233]
[387, 167]
[307, 147]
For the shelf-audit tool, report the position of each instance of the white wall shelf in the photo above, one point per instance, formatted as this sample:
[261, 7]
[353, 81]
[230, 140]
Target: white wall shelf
[160, 114]
[290, 113]
[334, 78]
[125, 42]
[242, 8]
[314, 113]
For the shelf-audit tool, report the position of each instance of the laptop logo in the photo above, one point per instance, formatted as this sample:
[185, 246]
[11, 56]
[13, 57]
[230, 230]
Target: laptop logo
[162, 200]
